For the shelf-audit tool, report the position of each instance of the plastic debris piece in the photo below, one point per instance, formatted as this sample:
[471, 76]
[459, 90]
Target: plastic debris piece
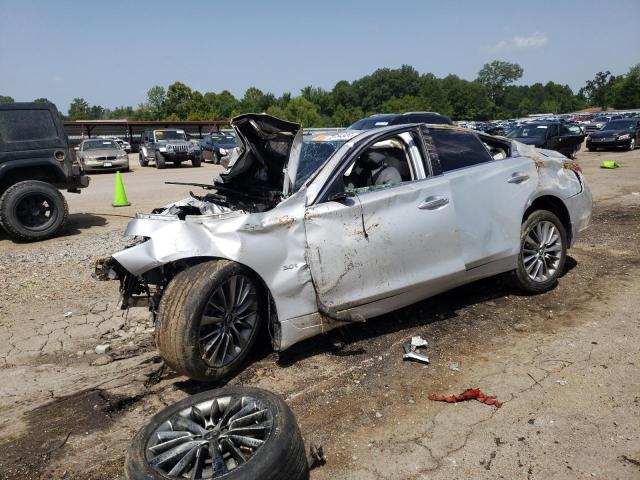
[561, 382]
[417, 342]
[316, 457]
[102, 349]
[68, 314]
[455, 366]
[416, 357]
[469, 394]
[609, 164]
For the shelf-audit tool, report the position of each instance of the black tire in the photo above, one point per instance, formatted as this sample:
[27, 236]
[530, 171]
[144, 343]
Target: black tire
[160, 160]
[591, 149]
[143, 161]
[520, 278]
[177, 163]
[280, 457]
[183, 304]
[196, 161]
[19, 219]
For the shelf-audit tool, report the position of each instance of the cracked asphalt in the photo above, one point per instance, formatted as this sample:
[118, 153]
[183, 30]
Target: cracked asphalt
[564, 363]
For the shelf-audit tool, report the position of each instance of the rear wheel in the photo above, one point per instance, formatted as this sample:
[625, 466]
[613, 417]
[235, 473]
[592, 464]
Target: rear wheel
[543, 250]
[209, 318]
[160, 160]
[32, 210]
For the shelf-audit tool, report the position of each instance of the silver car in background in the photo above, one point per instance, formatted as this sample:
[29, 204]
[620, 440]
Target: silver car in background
[305, 233]
[102, 154]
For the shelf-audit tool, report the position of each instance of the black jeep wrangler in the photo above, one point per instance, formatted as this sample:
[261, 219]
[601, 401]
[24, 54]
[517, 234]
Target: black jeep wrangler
[35, 162]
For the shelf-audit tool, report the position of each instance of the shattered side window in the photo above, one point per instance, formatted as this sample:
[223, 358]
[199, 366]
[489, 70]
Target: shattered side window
[458, 149]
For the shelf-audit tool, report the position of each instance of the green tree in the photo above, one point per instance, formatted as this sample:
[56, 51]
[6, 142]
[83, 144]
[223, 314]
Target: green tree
[626, 92]
[6, 99]
[599, 91]
[42, 100]
[495, 76]
[79, 109]
[155, 101]
[177, 101]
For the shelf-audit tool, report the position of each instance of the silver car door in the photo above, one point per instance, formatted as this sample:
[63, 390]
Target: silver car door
[490, 197]
[386, 247]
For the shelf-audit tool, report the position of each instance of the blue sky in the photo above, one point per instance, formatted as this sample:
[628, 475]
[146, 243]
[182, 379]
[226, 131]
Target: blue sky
[112, 52]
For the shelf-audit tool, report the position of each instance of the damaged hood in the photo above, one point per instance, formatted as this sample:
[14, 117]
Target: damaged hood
[268, 153]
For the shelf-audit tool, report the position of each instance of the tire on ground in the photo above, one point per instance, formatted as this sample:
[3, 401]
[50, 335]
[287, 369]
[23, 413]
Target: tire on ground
[18, 192]
[160, 160]
[519, 278]
[143, 161]
[179, 316]
[281, 457]
[196, 161]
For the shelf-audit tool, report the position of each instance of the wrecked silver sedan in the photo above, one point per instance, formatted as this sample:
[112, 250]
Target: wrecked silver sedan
[305, 233]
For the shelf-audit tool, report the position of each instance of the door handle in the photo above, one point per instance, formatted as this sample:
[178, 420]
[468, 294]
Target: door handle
[433, 203]
[518, 178]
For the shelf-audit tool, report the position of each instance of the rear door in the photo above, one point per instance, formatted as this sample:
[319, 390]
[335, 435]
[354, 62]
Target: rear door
[572, 138]
[489, 197]
[396, 243]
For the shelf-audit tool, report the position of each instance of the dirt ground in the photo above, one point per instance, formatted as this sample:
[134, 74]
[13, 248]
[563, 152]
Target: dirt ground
[565, 363]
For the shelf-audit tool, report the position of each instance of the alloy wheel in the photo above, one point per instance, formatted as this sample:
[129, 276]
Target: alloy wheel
[542, 251]
[211, 438]
[228, 321]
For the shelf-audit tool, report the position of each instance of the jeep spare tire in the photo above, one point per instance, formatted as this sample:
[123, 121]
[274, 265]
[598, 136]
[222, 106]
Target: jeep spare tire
[228, 434]
[32, 210]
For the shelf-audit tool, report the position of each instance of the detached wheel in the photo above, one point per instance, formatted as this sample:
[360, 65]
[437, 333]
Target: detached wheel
[209, 318]
[32, 210]
[543, 250]
[231, 433]
[160, 160]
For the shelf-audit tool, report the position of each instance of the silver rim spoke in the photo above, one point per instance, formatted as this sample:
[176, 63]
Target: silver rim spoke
[542, 251]
[230, 431]
[228, 321]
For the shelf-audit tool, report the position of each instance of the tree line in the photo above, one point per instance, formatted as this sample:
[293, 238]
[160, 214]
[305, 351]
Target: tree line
[492, 95]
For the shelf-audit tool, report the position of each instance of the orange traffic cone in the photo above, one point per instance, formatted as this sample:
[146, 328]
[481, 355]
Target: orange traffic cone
[119, 195]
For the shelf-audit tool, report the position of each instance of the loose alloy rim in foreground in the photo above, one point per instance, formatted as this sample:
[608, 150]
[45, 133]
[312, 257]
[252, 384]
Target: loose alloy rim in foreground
[35, 211]
[228, 321]
[211, 438]
[542, 251]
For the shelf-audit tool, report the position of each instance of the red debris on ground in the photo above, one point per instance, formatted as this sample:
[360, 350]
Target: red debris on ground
[469, 394]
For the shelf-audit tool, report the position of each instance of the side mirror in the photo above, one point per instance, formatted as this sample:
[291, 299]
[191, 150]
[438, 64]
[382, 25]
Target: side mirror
[338, 197]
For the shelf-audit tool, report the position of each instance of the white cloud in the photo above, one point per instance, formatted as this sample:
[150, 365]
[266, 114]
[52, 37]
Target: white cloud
[519, 42]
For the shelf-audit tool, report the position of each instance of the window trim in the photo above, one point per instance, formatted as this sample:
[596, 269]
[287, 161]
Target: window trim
[322, 197]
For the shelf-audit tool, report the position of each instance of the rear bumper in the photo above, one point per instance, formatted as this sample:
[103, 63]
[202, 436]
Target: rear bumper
[77, 180]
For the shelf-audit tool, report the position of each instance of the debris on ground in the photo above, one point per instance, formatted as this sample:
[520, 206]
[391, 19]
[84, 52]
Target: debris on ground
[316, 456]
[455, 366]
[68, 314]
[561, 382]
[410, 348]
[469, 394]
[102, 349]
[609, 164]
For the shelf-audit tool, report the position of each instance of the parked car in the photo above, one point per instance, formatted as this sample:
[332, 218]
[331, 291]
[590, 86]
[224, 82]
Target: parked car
[387, 119]
[596, 123]
[217, 147]
[102, 154]
[616, 134]
[126, 146]
[562, 137]
[35, 164]
[168, 145]
[302, 236]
